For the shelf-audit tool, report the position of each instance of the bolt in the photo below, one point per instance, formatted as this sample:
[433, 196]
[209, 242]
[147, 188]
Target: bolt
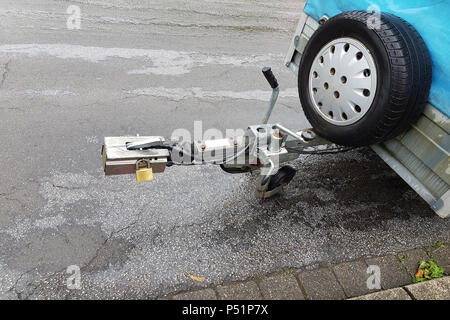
[308, 135]
[277, 133]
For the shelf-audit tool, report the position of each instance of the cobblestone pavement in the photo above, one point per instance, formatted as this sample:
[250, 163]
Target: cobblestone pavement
[339, 281]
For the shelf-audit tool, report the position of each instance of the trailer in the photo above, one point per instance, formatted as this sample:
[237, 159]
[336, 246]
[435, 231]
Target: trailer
[421, 153]
[364, 79]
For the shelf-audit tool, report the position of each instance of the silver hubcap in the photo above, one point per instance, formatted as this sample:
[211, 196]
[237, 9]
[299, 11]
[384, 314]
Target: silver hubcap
[343, 81]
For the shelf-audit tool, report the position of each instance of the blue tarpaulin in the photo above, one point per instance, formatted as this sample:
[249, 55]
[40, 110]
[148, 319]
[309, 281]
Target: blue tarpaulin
[431, 18]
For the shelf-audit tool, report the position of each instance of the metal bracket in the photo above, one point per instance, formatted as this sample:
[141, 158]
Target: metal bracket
[146, 142]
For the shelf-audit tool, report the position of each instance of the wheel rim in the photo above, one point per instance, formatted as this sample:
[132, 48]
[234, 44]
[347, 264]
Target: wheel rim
[343, 81]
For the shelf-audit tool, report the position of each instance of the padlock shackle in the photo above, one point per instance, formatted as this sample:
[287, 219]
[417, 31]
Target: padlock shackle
[149, 165]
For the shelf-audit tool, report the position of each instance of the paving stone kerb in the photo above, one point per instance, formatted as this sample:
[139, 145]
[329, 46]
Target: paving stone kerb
[339, 281]
[441, 254]
[393, 274]
[353, 277]
[321, 284]
[391, 294]
[437, 289]
[239, 291]
[281, 287]
[411, 259]
[205, 294]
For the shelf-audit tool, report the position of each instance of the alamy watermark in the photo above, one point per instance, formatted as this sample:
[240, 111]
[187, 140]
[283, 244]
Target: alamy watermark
[374, 20]
[74, 280]
[234, 147]
[374, 280]
[74, 20]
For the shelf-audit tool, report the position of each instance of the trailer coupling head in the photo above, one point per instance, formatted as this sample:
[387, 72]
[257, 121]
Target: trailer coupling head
[264, 147]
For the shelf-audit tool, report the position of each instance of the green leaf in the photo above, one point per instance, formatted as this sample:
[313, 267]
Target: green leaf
[423, 264]
[431, 270]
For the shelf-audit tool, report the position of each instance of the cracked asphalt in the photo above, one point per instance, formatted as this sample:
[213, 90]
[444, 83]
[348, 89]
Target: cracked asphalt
[150, 68]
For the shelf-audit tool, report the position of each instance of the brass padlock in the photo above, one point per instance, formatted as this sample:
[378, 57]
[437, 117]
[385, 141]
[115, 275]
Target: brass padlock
[145, 173]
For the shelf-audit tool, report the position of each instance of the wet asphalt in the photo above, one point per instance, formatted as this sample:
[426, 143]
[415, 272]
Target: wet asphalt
[149, 69]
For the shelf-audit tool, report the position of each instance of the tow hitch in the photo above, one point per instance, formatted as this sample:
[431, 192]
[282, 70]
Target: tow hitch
[264, 147]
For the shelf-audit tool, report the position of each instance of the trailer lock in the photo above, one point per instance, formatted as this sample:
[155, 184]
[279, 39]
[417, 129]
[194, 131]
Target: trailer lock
[264, 147]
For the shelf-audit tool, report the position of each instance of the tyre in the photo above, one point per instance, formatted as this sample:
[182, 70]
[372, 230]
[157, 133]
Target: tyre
[360, 85]
[283, 176]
